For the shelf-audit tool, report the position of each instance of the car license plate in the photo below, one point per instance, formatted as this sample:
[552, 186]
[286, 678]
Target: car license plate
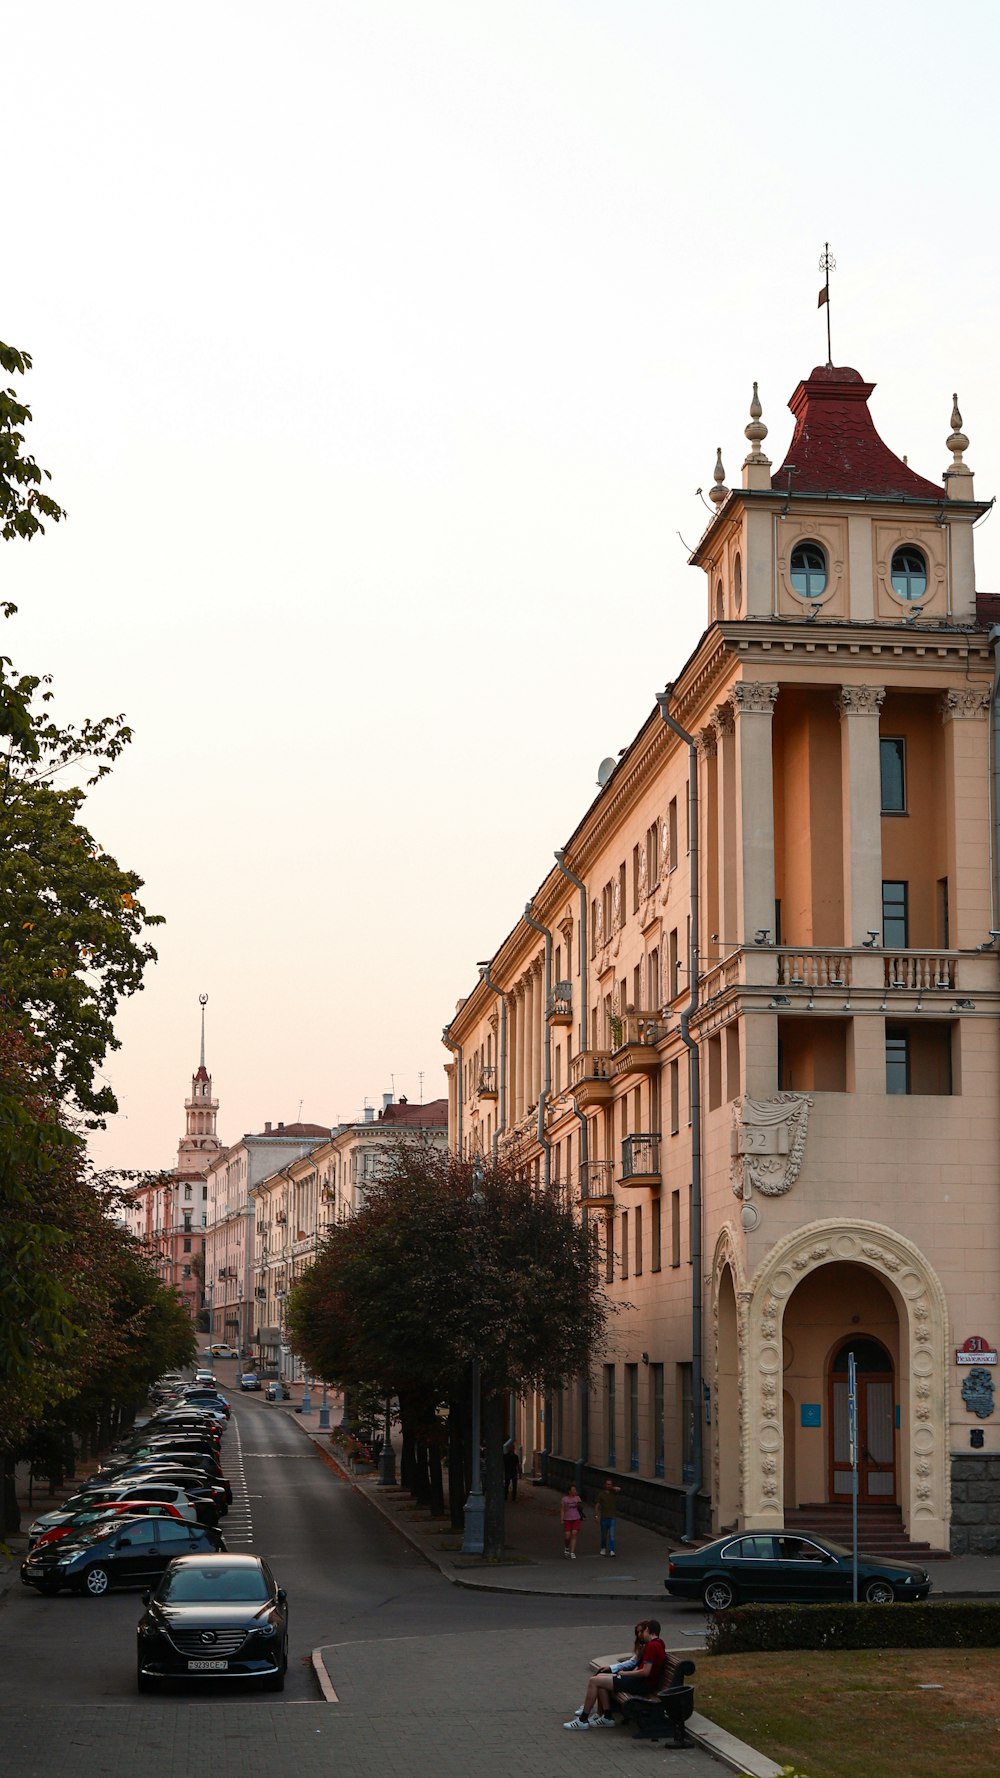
[207, 1666]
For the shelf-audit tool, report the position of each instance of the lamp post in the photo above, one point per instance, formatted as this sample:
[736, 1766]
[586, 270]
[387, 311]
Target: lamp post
[324, 1411]
[475, 1505]
[307, 1406]
[387, 1461]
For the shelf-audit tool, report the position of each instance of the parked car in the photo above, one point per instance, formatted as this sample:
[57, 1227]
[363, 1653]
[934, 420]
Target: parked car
[193, 1465]
[787, 1565]
[214, 1617]
[107, 1509]
[88, 1497]
[205, 1379]
[275, 1392]
[209, 1400]
[116, 1553]
[207, 1496]
[249, 1380]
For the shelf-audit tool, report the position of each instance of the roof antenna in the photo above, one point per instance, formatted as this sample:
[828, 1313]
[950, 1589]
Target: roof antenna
[827, 264]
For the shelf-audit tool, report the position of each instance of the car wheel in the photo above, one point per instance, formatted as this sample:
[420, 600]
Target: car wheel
[879, 1592]
[96, 1581]
[718, 1595]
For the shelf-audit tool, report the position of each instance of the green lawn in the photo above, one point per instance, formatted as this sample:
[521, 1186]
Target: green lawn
[861, 1714]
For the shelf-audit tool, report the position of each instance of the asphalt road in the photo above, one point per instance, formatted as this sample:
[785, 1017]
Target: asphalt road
[428, 1673]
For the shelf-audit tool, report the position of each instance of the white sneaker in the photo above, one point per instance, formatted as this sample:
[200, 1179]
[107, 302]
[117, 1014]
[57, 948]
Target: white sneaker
[611, 1552]
[576, 1722]
[604, 1552]
[602, 1722]
[572, 1555]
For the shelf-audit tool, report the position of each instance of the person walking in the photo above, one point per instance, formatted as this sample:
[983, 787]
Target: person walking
[511, 1469]
[605, 1515]
[571, 1513]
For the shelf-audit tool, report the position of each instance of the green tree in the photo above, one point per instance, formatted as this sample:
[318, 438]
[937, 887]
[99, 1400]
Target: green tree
[23, 501]
[439, 1267]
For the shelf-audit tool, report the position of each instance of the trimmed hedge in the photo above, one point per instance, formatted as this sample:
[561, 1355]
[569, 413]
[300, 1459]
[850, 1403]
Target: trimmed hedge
[754, 1629]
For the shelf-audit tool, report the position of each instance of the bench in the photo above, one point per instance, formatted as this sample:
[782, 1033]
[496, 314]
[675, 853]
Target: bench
[653, 1719]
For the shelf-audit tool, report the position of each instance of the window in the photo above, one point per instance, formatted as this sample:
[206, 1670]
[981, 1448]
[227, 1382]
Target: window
[672, 831]
[653, 855]
[187, 1194]
[658, 1445]
[673, 965]
[637, 1257]
[738, 605]
[908, 574]
[187, 1246]
[632, 1383]
[635, 879]
[624, 1243]
[173, 1531]
[675, 1098]
[609, 1251]
[720, 607]
[897, 1060]
[943, 917]
[653, 979]
[686, 1393]
[714, 1072]
[808, 571]
[892, 760]
[895, 916]
[654, 1258]
[609, 1413]
[675, 1228]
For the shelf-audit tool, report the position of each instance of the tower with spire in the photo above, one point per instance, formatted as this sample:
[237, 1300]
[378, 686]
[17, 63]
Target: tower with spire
[199, 1144]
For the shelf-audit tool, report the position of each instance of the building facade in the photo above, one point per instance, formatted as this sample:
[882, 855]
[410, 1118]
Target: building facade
[748, 1025]
[296, 1206]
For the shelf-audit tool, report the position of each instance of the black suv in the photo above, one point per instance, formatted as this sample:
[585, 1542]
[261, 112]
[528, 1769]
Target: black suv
[120, 1553]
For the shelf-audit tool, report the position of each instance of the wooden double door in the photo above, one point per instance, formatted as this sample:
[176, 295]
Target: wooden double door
[876, 1412]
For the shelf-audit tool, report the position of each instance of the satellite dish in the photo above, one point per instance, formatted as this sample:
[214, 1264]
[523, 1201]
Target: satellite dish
[605, 770]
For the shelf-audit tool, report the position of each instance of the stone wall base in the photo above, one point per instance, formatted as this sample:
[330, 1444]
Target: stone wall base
[975, 1504]
[659, 1505]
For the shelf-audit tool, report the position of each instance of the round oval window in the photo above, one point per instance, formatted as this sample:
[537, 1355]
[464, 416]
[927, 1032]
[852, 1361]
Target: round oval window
[808, 571]
[909, 574]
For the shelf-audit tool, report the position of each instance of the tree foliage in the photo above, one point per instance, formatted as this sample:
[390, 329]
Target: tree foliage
[24, 504]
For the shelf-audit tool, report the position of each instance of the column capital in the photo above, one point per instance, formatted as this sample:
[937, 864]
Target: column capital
[751, 697]
[971, 701]
[706, 741]
[860, 700]
[723, 719]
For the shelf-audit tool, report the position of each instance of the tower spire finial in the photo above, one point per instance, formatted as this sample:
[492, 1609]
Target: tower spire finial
[203, 1002]
[720, 493]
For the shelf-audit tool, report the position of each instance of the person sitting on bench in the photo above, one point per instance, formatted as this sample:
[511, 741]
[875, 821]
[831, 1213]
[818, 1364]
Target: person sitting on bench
[643, 1682]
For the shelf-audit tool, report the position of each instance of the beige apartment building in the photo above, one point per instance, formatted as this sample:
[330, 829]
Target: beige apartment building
[295, 1206]
[748, 1023]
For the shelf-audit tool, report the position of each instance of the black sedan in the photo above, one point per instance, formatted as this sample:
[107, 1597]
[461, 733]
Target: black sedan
[763, 1567]
[214, 1617]
[117, 1553]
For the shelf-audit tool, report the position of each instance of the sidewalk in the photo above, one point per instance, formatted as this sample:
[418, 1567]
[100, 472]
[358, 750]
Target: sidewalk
[534, 1561]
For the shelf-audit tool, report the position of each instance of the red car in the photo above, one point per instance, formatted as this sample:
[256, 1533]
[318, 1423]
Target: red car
[157, 1509]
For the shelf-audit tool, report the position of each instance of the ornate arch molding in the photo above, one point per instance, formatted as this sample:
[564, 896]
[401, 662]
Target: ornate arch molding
[923, 1318]
[727, 1257]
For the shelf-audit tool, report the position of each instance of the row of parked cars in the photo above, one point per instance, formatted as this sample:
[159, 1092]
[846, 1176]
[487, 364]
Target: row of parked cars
[149, 1517]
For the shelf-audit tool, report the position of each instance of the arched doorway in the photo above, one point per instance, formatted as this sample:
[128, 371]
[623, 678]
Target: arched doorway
[876, 1416]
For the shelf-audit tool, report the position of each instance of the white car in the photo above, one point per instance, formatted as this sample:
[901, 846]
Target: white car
[224, 1352]
[111, 1496]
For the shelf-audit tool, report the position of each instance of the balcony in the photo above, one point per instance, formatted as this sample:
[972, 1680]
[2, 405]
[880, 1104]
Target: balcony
[641, 1161]
[921, 970]
[635, 1036]
[597, 1183]
[591, 1077]
[487, 1085]
[281, 1216]
[559, 1008]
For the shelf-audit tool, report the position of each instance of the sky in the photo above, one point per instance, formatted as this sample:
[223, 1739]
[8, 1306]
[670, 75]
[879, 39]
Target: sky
[379, 353]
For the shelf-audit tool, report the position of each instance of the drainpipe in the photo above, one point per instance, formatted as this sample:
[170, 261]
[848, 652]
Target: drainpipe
[694, 1077]
[577, 882]
[484, 971]
[456, 1050]
[543, 1097]
[995, 774]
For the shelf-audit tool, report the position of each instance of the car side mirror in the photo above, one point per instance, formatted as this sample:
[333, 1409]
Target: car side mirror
[282, 1596]
[124, 1543]
[827, 1561]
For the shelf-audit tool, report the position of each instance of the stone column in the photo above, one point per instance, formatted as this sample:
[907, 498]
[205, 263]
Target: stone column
[753, 707]
[967, 814]
[530, 999]
[514, 1052]
[861, 786]
[724, 725]
[708, 849]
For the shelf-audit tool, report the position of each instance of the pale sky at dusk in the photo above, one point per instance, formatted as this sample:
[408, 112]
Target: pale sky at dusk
[379, 351]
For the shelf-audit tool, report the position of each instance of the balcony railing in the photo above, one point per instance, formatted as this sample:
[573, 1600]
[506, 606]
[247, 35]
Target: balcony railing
[926, 970]
[635, 1036]
[487, 1085]
[591, 1077]
[559, 1008]
[813, 969]
[641, 1160]
[597, 1182]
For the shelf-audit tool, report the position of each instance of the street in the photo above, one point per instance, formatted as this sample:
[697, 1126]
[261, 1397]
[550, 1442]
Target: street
[431, 1678]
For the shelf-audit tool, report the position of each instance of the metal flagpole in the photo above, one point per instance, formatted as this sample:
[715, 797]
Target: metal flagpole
[852, 1422]
[827, 264]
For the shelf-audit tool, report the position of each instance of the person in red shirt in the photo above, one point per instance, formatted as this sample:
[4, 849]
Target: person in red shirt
[644, 1682]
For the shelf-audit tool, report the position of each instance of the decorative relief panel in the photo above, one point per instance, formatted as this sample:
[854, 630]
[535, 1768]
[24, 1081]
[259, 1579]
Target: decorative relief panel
[767, 1143]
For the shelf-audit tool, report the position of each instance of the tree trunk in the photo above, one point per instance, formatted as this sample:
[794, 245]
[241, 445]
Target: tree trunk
[458, 1480]
[436, 1478]
[493, 1429]
[408, 1450]
[10, 1514]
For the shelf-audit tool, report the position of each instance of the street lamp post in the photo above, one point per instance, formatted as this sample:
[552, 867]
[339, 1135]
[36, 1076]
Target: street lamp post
[475, 1505]
[307, 1406]
[324, 1411]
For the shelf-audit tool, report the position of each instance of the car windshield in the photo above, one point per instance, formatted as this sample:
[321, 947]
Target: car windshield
[96, 1533]
[205, 1586]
